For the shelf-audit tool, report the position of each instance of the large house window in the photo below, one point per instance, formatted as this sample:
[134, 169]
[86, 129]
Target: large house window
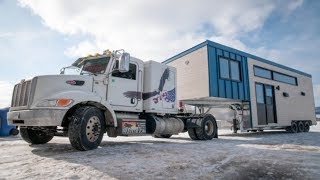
[224, 68]
[268, 74]
[229, 69]
[260, 72]
[235, 70]
[284, 78]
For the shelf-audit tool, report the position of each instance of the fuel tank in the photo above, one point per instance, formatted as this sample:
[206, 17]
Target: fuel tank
[159, 125]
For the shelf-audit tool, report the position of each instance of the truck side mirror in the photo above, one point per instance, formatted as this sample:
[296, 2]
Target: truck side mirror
[62, 70]
[124, 62]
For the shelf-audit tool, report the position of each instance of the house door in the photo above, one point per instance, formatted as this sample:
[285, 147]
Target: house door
[265, 104]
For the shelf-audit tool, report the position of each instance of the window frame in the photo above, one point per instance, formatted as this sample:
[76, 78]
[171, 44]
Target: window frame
[254, 72]
[295, 78]
[229, 69]
[130, 65]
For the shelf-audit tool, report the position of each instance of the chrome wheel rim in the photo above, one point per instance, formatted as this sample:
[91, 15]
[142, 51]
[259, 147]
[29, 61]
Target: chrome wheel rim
[93, 129]
[208, 127]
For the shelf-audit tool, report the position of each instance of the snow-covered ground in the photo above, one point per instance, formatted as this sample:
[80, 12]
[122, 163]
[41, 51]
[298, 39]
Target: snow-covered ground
[267, 155]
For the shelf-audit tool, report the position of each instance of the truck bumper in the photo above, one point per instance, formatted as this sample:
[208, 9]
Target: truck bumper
[38, 117]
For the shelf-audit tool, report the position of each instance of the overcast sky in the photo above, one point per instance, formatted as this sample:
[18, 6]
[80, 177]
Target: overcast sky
[41, 36]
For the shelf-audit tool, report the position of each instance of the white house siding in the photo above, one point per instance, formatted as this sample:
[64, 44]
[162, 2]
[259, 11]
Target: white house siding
[294, 107]
[192, 74]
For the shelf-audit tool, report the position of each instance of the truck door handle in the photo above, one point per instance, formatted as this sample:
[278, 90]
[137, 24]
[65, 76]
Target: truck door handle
[133, 101]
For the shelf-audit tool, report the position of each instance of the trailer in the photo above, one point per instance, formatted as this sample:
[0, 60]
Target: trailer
[259, 94]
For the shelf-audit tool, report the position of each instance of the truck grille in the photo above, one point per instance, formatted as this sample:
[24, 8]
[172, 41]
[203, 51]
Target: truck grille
[21, 94]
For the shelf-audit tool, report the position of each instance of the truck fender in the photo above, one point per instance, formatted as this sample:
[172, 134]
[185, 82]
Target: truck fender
[81, 98]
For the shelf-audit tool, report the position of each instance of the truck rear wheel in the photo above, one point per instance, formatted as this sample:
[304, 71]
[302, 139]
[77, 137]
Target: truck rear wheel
[208, 128]
[300, 126]
[86, 128]
[192, 133]
[35, 136]
[306, 126]
[294, 127]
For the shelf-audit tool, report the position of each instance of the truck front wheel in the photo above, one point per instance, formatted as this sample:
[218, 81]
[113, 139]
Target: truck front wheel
[86, 128]
[35, 136]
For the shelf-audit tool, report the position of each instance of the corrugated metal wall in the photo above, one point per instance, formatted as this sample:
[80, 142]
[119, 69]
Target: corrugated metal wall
[222, 87]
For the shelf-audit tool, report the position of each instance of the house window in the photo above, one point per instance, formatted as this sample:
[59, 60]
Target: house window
[284, 78]
[273, 75]
[224, 68]
[229, 69]
[235, 70]
[264, 73]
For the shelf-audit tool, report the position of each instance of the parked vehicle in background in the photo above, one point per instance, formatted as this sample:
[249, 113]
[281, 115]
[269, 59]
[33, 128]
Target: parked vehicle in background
[5, 129]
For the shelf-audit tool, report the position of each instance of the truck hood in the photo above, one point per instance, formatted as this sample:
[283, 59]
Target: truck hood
[57, 86]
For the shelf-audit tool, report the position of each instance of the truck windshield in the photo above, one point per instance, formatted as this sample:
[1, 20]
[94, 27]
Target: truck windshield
[92, 66]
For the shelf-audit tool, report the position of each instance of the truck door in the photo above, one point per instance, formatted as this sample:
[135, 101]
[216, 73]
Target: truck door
[123, 89]
[169, 92]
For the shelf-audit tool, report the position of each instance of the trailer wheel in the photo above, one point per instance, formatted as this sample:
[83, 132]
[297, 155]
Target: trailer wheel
[294, 127]
[192, 134]
[208, 128]
[300, 126]
[306, 126]
[86, 128]
[35, 136]
[162, 135]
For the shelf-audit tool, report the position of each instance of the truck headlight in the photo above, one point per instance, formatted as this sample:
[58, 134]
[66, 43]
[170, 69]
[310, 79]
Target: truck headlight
[55, 103]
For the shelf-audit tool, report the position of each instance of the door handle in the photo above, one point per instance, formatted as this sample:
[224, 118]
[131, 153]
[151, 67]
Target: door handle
[133, 101]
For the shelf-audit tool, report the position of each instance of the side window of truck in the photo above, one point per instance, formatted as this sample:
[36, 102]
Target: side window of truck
[131, 74]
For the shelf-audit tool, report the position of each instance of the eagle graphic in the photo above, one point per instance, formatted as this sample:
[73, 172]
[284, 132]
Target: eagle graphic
[147, 95]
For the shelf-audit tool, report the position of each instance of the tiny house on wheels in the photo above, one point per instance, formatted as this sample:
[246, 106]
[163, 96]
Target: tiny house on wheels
[259, 94]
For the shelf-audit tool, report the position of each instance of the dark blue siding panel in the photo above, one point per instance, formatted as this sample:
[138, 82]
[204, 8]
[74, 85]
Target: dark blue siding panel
[219, 52]
[228, 89]
[226, 54]
[213, 72]
[223, 87]
[241, 91]
[245, 78]
[232, 56]
[235, 91]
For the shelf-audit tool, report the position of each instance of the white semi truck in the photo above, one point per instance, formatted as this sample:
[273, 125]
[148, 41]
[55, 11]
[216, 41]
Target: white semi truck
[112, 93]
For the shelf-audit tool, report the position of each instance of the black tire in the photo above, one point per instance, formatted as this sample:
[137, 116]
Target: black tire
[300, 126]
[162, 136]
[208, 128]
[14, 132]
[294, 127]
[86, 128]
[254, 130]
[192, 134]
[35, 136]
[288, 129]
[306, 126]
